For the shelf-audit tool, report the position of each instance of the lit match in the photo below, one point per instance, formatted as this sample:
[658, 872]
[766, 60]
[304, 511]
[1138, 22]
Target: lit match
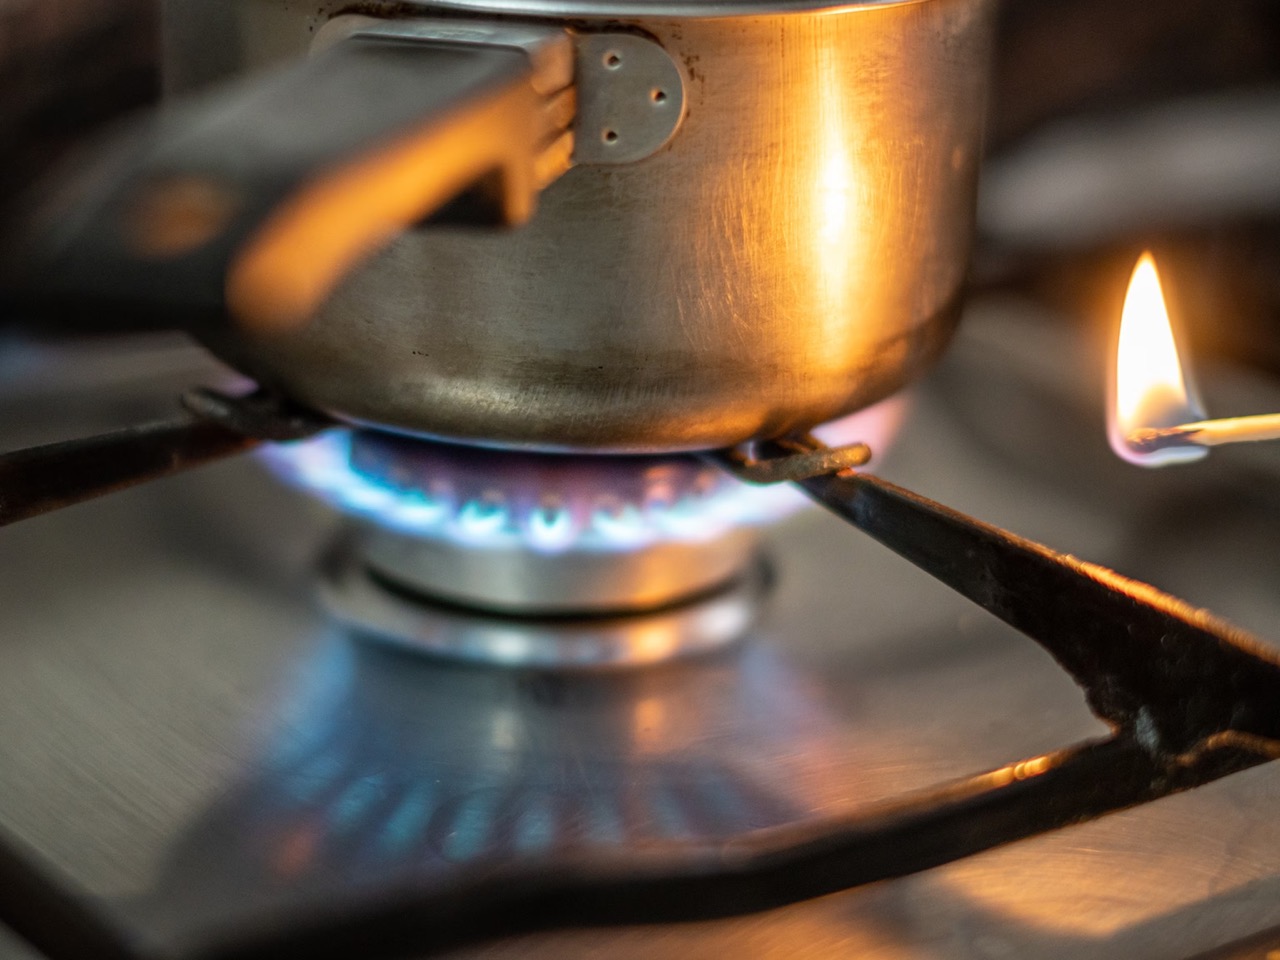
[1155, 417]
[1149, 391]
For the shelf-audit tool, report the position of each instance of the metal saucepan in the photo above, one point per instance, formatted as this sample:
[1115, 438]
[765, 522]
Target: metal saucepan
[752, 217]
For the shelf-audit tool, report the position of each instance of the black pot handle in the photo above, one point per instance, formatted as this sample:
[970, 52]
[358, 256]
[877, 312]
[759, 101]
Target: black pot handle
[249, 203]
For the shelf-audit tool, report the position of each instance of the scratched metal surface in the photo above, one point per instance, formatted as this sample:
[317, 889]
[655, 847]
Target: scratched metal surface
[184, 740]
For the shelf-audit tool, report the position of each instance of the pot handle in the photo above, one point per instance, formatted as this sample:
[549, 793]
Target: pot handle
[249, 204]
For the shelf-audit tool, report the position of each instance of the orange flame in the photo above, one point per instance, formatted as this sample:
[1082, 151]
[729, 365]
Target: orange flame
[1148, 386]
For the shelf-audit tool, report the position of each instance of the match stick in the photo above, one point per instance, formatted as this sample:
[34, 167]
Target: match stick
[1206, 433]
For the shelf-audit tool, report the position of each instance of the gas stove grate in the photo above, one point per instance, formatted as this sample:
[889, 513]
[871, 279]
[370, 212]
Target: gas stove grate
[1190, 699]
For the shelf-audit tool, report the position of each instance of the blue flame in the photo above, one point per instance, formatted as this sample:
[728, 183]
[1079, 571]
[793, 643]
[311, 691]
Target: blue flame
[435, 510]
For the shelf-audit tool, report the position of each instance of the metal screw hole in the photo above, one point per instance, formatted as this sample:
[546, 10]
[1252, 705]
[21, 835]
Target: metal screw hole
[658, 96]
[611, 136]
[612, 60]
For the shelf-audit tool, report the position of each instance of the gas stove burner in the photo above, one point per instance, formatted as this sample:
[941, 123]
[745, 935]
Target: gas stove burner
[553, 535]
[537, 559]
[548, 559]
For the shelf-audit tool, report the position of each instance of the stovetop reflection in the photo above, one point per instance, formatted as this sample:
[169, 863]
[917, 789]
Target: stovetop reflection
[187, 743]
[393, 766]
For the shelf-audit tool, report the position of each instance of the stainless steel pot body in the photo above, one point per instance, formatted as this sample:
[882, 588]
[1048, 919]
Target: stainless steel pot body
[795, 252]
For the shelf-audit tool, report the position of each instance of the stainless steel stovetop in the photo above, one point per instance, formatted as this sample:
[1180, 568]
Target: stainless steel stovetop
[188, 744]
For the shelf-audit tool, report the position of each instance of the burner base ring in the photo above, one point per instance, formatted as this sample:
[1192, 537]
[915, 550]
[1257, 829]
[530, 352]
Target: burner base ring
[359, 599]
